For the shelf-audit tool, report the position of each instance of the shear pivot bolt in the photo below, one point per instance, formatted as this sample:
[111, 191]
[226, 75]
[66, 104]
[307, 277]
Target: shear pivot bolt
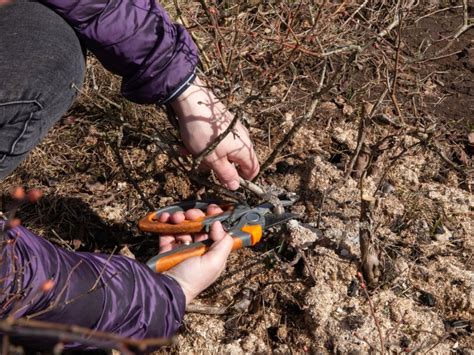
[253, 217]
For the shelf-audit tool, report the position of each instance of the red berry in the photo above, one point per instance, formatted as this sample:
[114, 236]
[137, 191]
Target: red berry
[18, 193]
[34, 195]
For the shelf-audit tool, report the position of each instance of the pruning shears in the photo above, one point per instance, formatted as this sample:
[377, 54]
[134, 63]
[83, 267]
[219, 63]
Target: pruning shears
[245, 224]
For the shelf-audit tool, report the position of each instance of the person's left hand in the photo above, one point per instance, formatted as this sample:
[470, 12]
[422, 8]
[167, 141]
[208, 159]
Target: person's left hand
[202, 118]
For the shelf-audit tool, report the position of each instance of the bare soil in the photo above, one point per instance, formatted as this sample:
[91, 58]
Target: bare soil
[298, 290]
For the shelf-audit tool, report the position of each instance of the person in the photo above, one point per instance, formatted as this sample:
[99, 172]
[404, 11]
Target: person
[42, 65]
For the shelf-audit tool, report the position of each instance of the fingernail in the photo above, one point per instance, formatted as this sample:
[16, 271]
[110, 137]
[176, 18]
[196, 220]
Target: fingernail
[233, 185]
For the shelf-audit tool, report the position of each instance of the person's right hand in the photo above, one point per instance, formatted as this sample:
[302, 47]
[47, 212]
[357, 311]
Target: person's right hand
[169, 242]
[196, 274]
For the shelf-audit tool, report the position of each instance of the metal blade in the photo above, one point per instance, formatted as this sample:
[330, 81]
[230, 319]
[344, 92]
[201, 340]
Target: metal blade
[275, 219]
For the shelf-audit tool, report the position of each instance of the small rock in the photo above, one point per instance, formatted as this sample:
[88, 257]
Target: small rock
[387, 188]
[339, 100]
[122, 185]
[300, 237]
[125, 251]
[328, 106]
[404, 342]
[353, 289]
[282, 167]
[427, 299]
[470, 138]
[348, 110]
[344, 253]
[289, 116]
[442, 234]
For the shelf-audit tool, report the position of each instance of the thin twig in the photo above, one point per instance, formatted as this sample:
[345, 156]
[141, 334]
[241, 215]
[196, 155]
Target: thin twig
[205, 61]
[74, 333]
[299, 123]
[361, 134]
[257, 190]
[393, 91]
[130, 178]
[355, 12]
[363, 286]
[217, 141]
[437, 12]
[467, 24]
[203, 309]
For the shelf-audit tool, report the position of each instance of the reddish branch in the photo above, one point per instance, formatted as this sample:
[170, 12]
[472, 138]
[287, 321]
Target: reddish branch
[73, 333]
[363, 286]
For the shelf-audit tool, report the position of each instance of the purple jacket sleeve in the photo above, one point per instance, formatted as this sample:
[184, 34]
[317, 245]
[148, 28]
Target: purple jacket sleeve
[113, 294]
[136, 40]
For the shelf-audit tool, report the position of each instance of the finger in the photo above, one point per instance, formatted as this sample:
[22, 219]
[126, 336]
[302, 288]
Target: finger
[199, 237]
[216, 257]
[247, 160]
[166, 243]
[194, 214]
[163, 218]
[177, 217]
[184, 238]
[213, 209]
[226, 172]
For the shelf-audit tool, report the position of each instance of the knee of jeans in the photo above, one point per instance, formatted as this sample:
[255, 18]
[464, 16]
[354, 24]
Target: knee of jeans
[40, 54]
[21, 127]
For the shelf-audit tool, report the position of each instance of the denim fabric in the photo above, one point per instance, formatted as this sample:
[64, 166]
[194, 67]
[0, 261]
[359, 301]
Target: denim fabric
[41, 67]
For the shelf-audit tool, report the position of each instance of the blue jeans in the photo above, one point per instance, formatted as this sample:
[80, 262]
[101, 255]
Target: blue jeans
[41, 67]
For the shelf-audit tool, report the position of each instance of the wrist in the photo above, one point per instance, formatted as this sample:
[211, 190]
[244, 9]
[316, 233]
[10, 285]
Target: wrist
[189, 295]
[180, 89]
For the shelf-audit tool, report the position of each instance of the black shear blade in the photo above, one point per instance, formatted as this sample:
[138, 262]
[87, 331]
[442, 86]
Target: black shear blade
[276, 219]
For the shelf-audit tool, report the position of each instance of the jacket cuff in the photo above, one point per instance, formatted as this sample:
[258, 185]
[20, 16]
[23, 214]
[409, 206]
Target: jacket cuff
[180, 89]
[163, 78]
[179, 300]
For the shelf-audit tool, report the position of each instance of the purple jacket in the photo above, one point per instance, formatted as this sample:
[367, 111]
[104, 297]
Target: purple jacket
[157, 60]
[112, 294]
[136, 40]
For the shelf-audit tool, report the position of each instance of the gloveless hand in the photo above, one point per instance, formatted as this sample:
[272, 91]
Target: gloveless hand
[202, 117]
[196, 274]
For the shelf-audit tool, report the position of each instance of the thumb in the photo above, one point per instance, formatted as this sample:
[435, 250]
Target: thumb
[217, 255]
[226, 172]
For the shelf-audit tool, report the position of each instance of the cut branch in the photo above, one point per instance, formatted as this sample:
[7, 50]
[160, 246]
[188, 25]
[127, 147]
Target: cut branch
[370, 264]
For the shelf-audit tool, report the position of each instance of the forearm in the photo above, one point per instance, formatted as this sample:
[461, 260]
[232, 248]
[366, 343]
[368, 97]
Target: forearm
[112, 294]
